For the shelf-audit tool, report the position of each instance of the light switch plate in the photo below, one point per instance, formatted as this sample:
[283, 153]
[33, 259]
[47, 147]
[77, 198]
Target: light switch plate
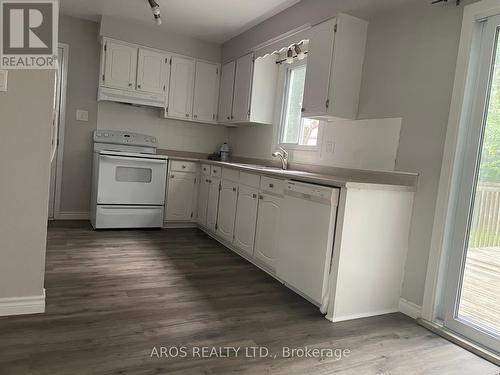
[3, 80]
[82, 115]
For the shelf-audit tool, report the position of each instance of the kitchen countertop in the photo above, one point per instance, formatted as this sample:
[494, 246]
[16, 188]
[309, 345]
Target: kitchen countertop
[334, 177]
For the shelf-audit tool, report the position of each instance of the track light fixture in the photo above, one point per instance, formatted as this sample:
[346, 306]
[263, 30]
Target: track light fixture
[289, 56]
[298, 51]
[155, 8]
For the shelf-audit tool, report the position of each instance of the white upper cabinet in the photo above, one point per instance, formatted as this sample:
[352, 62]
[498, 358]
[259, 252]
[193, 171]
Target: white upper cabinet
[226, 91]
[206, 91]
[153, 71]
[334, 68]
[242, 88]
[248, 90]
[120, 64]
[180, 98]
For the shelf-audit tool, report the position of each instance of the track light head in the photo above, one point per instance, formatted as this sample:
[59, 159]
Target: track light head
[155, 8]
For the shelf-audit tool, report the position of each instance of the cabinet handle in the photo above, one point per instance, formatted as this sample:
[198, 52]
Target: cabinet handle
[229, 118]
[171, 176]
[302, 109]
[187, 114]
[254, 196]
[261, 197]
[271, 185]
[183, 166]
[207, 181]
[195, 116]
[138, 86]
[232, 117]
[234, 189]
[129, 85]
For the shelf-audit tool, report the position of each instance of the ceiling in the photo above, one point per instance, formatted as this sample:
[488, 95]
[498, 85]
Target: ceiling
[210, 20]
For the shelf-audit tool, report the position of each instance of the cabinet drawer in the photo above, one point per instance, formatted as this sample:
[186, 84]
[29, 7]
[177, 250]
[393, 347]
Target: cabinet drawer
[183, 166]
[250, 179]
[230, 174]
[205, 169]
[215, 171]
[272, 185]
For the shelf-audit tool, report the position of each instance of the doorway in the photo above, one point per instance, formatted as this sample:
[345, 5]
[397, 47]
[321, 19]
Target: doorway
[58, 138]
[472, 303]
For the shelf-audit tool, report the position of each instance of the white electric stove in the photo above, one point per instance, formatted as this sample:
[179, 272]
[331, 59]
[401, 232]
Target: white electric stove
[128, 182]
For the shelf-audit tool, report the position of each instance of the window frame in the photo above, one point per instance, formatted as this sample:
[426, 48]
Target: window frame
[281, 128]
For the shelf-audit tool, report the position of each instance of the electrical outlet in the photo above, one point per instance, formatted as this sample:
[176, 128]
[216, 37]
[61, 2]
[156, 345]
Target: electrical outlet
[82, 115]
[329, 147]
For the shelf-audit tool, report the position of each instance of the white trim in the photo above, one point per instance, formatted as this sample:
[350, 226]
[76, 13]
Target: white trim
[364, 315]
[458, 113]
[409, 308]
[179, 225]
[22, 305]
[73, 215]
[61, 132]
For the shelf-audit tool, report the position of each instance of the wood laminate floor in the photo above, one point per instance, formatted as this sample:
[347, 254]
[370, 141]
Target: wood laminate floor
[113, 296]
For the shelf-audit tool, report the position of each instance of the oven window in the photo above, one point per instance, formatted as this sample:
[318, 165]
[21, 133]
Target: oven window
[130, 174]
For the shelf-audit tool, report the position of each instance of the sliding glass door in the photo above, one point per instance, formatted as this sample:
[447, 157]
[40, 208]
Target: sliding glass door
[473, 287]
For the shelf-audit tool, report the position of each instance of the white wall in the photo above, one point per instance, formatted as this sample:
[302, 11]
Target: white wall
[362, 144]
[25, 143]
[83, 72]
[151, 36]
[171, 134]
[408, 73]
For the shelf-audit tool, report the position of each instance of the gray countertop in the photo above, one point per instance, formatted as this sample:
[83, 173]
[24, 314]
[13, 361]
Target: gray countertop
[327, 176]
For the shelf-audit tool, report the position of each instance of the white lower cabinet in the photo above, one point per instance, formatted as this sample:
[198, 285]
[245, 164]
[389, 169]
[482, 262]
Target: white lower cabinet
[203, 200]
[227, 209]
[180, 196]
[213, 203]
[246, 219]
[267, 230]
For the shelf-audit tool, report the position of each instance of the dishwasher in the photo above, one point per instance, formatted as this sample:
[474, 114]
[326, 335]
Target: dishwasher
[307, 229]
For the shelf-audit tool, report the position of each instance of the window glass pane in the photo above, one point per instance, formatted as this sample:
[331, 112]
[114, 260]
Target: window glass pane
[293, 105]
[309, 134]
[130, 174]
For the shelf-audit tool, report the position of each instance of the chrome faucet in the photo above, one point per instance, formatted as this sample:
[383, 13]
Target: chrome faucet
[283, 155]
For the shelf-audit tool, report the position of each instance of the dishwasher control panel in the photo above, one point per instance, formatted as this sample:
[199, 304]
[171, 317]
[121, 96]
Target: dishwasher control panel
[309, 190]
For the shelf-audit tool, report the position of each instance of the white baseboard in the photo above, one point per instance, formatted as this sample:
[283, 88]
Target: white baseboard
[22, 305]
[72, 215]
[179, 225]
[409, 308]
[359, 316]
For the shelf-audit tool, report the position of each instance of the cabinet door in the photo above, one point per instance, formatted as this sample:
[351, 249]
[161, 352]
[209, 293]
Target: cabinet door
[203, 200]
[319, 61]
[213, 204]
[152, 71]
[226, 91]
[180, 98]
[120, 66]
[267, 231]
[242, 88]
[206, 91]
[227, 210]
[181, 188]
[246, 218]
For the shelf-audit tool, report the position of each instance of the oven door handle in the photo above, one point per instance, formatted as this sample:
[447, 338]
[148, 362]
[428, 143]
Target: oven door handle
[148, 160]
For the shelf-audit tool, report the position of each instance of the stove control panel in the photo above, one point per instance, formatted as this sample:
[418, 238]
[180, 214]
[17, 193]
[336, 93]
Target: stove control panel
[124, 138]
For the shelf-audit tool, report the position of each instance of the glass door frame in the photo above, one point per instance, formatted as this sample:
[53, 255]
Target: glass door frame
[467, 182]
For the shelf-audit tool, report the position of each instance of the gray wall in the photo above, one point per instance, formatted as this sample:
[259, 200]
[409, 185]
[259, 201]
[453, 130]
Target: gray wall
[408, 73]
[83, 73]
[25, 125]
